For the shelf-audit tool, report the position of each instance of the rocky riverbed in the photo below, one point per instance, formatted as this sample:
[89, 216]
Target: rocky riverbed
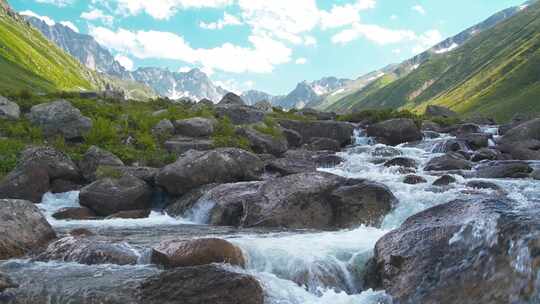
[399, 215]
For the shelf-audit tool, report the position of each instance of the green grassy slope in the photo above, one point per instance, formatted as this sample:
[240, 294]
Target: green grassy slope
[29, 61]
[496, 73]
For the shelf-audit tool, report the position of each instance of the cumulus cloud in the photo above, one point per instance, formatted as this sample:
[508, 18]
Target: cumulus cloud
[46, 19]
[70, 24]
[261, 57]
[228, 19]
[97, 14]
[341, 15]
[164, 9]
[420, 9]
[125, 62]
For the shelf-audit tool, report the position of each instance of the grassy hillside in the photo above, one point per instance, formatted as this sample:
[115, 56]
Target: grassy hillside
[496, 73]
[29, 61]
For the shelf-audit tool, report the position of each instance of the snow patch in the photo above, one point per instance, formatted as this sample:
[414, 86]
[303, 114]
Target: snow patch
[448, 49]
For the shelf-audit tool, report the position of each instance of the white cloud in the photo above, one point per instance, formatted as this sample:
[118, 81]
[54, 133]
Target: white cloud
[70, 24]
[60, 3]
[310, 40]
[427, 40]
[394, 17]
[396, 51]
[184, 69]
[46, 19]
[372, 32]
[125, 62]
[301, 60]
[420, 9]
[164, 9]
[261, 57]
[228, 19]
[97, 14]
[341, 15]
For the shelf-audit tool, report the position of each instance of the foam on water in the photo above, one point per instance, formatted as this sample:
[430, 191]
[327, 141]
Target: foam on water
[52, 203]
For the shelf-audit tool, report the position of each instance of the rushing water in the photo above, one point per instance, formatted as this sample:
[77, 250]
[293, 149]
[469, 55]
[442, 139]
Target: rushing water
[296, 267]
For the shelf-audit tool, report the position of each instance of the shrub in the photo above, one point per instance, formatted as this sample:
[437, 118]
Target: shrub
[108, 172]
[9, 152]
[103, 132]
[225, 136]
[269, 127]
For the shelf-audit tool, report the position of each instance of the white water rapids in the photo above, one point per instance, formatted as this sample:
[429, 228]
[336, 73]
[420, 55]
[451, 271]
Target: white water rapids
[298, 267]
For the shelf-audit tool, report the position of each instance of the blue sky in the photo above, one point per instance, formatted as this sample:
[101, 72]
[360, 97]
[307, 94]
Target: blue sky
[269, 45]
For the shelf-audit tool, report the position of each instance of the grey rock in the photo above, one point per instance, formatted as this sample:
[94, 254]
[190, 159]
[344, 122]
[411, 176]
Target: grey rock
[449, 161]
[195, 127]
[231, 99]
[8, 109]
[240, 115]
[96, 157]
[262, 143]
[60, 118]
[180, 144]
[395, 131]
[438, 111]
[163, 128]
[501, 169]
[324, 144]
[340, 131]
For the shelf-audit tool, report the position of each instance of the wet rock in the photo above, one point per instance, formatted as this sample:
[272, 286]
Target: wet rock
[60, 118]
[132, 214]
[262, 143]
[385, 151]
[241, 115]
[182, 205]
[401, 162]
[231, 99]
[75, 213]
[444, 180]
[96, 157]
[180, 144]
[476, 140]
[202, 285]
[414, 179]
[195, 127]
[485, 154]
[450, 145]
[476, 184]
[500, 169]
[163, 128]
[172, 254]
[460, 252]
[6, 282]
[521, 150]
[8, 109]
[197, 168]
[63, 186]
[294, 139]
[395, 131]
[306, 200]
[438, 111]
[324, 144]
[89, 250]
[340, 131]
[431, 134]
[536, 174]
[108, 196]
[24, 229]
[450, 161]
[288, 166]
[431, 126]
[25, 183]
[463, 129]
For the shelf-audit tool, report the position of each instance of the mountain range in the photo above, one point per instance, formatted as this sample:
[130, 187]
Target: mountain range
[490, 68]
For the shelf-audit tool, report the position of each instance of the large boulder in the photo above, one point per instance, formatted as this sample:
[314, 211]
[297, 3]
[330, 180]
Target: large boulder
[60, 118]
[8, 109]
[89, 250]
[201, 285]
[438, 111]
[94, 158]
[164, 128]
[24, 229]
[231, 99]
[502, 169]
[323, 144]
[196, 168]
[395, 131]
[264, 106]
[529, 130]
[465, 252]
[307, 200]
[25, 183]
[521, 150]
[196, 252]
[57, 164]
[240, 115]
[195, 127]
[476, 140]
[263, 143]
[110, 195]
[181, 144]
[309, 130]
[447, 162]
[300, 161]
